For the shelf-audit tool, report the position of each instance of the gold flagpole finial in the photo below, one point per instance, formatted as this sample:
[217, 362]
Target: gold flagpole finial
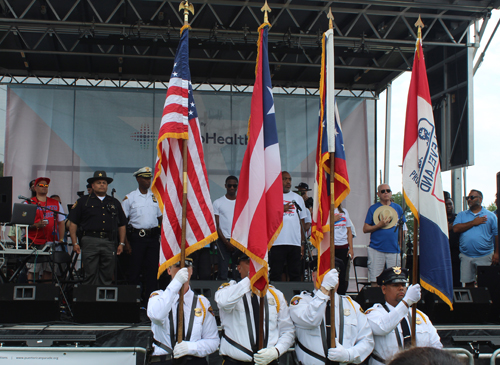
[266, 9]
[330, 17]
[419, 24]
[186, 7]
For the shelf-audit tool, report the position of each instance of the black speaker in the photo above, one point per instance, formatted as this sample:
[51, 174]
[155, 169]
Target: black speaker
[489, 277]
[368, 296]
[470, 305]
[5, 199]
[106, 304]
[29, 303]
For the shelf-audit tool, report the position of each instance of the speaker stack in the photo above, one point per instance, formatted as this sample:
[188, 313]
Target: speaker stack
[106, 304]
[5, 199]
[30, 303]
[368, 296]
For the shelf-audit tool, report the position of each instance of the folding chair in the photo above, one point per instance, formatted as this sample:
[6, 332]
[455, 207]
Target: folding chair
[360, 261]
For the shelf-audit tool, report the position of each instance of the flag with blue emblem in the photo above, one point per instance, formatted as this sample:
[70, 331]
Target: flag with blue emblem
[330, 142]
[180, 122]
[422, 187]
[258, 212]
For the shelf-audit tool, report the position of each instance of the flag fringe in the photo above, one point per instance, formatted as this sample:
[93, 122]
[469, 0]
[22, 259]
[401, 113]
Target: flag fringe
[433, 290]
[189, 250]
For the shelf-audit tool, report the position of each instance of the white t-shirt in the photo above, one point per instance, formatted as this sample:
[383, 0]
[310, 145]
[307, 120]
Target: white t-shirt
[341, 227]
[224, 208]
[291, 232]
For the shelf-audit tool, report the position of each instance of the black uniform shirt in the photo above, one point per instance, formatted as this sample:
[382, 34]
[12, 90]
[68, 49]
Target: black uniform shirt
[92, 214]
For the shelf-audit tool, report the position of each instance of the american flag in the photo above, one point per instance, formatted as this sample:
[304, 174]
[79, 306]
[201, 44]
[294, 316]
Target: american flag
[180, 122]
[258, 213]
[329, 126]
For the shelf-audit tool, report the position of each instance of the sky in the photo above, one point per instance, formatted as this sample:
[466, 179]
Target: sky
[481, 176]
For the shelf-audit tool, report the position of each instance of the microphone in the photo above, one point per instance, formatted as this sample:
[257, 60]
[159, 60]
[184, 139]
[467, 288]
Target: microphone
[24, 198]
[297, 206]
[113, 191]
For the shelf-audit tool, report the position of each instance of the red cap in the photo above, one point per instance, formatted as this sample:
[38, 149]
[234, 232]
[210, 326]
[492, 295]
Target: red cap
[42, 178]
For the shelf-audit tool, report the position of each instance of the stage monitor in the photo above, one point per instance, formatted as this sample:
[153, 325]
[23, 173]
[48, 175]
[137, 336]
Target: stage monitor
[450, 75]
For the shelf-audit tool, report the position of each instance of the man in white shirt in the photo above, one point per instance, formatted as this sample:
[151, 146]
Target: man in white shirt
[143, 232]
[390, 322]
[224, 212]
[287, 248]
[238, 308]
[201, 337]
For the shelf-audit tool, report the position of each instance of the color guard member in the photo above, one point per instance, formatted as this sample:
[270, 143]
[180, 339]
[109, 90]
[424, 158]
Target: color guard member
[390, 322]
[310, 312]
[201, 337]
[239, 311]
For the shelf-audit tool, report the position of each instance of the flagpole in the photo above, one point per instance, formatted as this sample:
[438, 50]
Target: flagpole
[186, 7]
[265, 9]
[419, 24]
[332, 211]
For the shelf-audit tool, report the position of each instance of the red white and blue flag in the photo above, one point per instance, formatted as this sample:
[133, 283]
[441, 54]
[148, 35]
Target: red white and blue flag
[258, 213]
[180, 122]
[330, 141]
[422, 187]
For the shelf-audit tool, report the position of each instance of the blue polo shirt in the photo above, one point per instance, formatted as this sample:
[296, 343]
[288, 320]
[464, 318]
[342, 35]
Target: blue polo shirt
[479, 240]
[384, 240]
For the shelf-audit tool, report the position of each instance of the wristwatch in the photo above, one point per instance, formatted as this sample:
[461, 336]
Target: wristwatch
[122, 244]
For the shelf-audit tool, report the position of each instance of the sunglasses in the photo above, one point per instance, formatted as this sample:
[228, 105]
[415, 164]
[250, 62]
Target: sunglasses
[383, 191]
[472, 197]
[43, 185]
[232, 185]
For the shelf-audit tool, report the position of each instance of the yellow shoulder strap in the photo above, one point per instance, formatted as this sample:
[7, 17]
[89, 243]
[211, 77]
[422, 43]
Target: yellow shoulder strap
[422, 315]
[204, 309]
[276, 298]
[350, 301]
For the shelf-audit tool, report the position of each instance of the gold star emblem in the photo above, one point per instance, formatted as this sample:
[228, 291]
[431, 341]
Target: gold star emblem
[397, 270]
[100, 174]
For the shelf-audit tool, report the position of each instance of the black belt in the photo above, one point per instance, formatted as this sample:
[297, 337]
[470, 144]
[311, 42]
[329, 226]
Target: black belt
[161, 358]
[146, 232]
[97, 234]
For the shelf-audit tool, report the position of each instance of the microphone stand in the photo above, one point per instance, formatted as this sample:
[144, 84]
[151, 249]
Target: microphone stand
[399, 225]
[307, 253]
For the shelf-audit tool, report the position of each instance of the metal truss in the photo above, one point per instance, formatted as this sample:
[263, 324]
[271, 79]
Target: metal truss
[135, 40]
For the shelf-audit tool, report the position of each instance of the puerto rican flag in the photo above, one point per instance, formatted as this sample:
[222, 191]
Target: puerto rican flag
[330, 141]
[422, 187]
[180, 123]
[258, 213]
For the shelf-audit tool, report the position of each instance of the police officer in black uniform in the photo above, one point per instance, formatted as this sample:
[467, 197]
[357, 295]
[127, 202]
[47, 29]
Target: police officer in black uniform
[102, 223]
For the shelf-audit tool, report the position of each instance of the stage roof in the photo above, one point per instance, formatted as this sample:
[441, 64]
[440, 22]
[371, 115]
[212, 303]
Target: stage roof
[136, 39]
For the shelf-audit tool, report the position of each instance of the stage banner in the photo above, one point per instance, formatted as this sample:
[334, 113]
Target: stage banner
[66, 133]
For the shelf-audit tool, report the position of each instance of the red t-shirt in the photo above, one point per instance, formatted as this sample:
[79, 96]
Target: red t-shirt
[50, 232]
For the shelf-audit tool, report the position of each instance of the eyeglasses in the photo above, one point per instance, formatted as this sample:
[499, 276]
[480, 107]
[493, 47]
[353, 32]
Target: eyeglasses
[232, 185]
[383, 191]
[43, 185]
[472, 197]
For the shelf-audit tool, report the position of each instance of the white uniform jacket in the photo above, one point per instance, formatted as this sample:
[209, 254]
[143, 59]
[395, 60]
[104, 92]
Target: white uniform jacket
[204, 336]
[308, 313]
[233, 318]
[385, 323]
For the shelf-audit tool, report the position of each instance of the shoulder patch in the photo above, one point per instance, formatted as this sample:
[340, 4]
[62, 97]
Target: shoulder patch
[153, 294]
[223, 286]
[295, 300]
[210, 309]
[367, 311]
[74, 205]
[126, 197]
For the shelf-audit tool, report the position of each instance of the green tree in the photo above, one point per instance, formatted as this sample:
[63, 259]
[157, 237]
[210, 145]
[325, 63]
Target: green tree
[398, 199]
[492, 207]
